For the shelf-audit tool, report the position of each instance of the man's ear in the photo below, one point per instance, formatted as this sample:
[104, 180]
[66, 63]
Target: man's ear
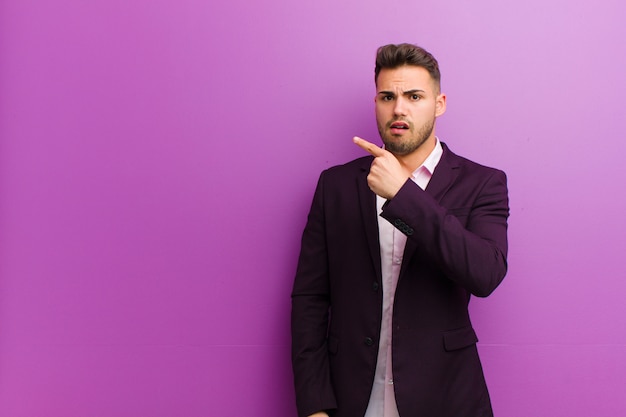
[440, 105]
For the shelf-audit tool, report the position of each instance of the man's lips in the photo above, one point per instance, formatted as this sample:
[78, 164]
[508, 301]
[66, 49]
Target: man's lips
[399, 126]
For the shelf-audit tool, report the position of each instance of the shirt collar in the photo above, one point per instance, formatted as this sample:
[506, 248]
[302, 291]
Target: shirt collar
[431, 161]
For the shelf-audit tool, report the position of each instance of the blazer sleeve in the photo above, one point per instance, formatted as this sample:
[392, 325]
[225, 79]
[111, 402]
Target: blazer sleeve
[473, 253]
[310, 315]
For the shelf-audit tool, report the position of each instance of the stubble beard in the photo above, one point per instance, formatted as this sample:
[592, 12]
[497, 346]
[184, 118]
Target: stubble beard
[409, 144]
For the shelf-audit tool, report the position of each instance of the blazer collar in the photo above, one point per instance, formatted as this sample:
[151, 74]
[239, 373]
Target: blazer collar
[445, 174]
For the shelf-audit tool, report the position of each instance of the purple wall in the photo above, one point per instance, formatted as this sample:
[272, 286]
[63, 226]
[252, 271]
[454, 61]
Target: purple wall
[157, 161]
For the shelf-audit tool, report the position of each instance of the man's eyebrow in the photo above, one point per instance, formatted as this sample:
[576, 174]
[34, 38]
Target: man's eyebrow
[416, 90]
[408, 92]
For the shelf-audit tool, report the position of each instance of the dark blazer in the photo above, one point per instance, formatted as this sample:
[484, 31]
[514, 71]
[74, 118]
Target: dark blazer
[456, 246]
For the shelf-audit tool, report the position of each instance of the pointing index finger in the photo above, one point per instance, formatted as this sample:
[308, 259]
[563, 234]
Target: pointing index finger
[368, 146]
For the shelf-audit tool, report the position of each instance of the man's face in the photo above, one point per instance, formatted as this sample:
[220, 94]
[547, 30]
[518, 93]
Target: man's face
[407, 103]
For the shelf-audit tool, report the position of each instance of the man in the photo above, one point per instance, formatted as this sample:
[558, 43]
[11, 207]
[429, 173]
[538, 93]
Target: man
[394, 246]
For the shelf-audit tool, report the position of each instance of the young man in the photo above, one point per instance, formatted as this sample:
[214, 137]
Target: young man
[394, 246]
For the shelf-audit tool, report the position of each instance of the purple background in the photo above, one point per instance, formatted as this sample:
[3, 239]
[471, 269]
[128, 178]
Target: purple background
[158, 158]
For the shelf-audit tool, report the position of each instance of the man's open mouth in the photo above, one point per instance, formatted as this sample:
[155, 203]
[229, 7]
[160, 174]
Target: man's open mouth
[399, 125]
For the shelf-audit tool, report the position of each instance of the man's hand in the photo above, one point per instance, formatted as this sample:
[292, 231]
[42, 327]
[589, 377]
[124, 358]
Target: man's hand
[386, 175]
[319, 414]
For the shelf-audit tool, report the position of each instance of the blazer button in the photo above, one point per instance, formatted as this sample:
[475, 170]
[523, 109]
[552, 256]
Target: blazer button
[369, 341]
[375, 286]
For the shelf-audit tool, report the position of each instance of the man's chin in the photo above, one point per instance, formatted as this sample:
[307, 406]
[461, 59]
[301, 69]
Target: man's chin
[398, 150]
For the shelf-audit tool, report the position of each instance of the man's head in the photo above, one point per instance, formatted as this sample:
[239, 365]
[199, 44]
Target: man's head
[408, 99]
[394, 56]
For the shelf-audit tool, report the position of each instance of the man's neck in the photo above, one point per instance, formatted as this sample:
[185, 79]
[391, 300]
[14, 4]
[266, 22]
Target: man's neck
[416, 158]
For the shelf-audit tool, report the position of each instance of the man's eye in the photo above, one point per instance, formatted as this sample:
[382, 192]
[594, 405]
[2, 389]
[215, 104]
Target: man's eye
[387, 98]
[415, 97]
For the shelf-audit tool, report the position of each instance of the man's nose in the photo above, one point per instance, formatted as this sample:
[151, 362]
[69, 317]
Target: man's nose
[399, 108]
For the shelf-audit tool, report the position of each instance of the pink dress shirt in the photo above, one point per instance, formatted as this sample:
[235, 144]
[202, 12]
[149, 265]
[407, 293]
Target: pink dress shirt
[382, 401]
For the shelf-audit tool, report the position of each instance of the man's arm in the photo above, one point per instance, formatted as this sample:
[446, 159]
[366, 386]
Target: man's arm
[474, 256]
[310, 315]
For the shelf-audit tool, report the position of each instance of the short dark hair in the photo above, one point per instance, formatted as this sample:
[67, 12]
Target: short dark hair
[394, 56]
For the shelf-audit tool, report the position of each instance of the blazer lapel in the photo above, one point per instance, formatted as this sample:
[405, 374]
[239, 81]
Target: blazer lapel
[367, 203]
[444, 176]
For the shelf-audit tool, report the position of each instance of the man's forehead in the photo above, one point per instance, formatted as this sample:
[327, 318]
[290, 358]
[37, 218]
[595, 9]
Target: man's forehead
[404, 78]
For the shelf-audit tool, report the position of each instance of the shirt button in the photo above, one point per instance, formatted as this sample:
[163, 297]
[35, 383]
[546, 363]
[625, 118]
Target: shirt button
[375, 286]
[369, 341]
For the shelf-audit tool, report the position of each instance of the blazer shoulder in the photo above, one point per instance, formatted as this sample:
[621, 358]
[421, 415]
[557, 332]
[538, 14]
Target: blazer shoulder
[468, 166]
[349, 169]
